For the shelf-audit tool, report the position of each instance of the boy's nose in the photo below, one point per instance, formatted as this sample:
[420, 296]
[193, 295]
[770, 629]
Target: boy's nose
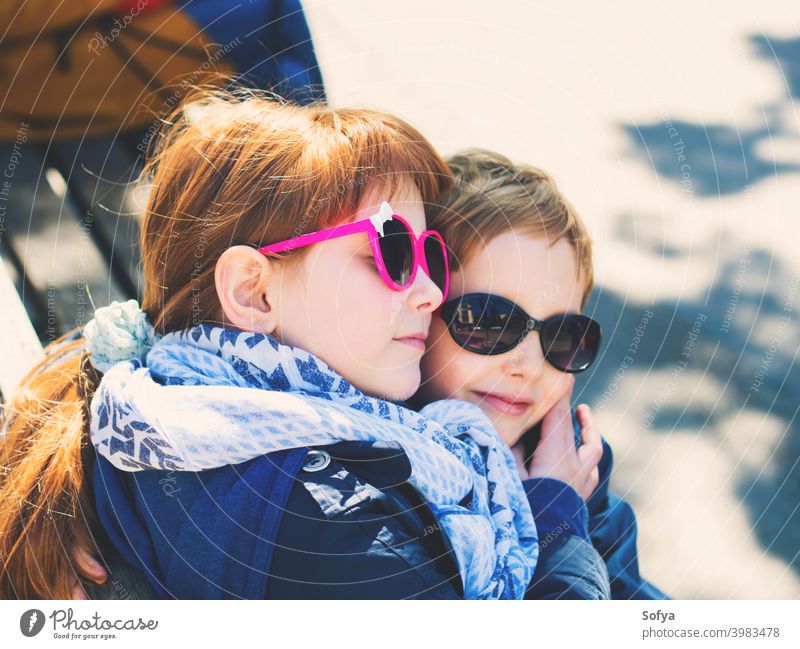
[526, 360]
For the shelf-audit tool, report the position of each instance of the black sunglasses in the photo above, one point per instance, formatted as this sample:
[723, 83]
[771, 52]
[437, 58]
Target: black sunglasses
[489, 324]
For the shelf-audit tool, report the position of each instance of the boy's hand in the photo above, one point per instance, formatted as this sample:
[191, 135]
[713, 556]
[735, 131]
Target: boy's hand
[556, 456]
[89, 568]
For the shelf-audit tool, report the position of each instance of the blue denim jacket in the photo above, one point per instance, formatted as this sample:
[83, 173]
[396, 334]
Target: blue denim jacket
[612, 529]
[611, 526]
[353, 529]
[264, 529]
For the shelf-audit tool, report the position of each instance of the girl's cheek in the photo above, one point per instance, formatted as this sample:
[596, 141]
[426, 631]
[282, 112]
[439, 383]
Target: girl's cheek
[357, 289]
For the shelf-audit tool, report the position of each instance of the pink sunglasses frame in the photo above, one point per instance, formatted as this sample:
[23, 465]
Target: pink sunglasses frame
[368, 226]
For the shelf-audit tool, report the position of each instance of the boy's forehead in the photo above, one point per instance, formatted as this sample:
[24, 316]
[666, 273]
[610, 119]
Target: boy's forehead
[539, 277]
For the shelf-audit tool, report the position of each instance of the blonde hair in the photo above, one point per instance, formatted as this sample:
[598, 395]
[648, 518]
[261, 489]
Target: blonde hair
[228, 168]
[491, 195]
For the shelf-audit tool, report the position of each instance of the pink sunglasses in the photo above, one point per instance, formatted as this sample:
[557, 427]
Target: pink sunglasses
[398, 252]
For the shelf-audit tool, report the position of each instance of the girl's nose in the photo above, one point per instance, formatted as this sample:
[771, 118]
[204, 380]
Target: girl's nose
[424, 296]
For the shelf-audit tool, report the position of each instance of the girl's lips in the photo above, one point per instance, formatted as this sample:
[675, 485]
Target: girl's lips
[416, 343]
[504, 405]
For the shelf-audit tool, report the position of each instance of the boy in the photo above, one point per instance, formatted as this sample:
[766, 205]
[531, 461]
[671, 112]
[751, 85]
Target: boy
[520, 260]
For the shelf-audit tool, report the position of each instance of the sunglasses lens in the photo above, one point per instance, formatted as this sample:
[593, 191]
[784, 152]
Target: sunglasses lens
[397, 251]
[437, 264]
[571, 342]
[485, 325]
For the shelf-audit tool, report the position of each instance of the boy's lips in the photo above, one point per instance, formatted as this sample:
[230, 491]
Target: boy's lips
[505, 404]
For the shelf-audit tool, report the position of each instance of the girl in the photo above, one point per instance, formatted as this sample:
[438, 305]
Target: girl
[268, 339]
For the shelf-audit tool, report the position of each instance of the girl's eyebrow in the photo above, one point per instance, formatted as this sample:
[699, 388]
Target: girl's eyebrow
[357, 242]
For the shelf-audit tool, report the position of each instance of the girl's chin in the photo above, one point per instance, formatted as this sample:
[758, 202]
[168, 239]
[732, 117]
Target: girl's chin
[398, 392]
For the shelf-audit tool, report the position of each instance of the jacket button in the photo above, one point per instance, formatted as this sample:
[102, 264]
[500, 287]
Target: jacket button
[316, 460]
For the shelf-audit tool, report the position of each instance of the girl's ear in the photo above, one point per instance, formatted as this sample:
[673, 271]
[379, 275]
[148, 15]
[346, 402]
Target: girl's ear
[245, 282]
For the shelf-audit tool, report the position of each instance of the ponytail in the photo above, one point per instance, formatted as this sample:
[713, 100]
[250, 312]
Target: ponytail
[46, 503]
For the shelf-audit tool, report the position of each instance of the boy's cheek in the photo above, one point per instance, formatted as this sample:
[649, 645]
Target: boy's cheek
[541, 410]
[555, 386]
[448, 375]
[434, 375]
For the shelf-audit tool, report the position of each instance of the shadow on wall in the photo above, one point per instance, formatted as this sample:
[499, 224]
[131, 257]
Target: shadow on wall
[744, 339]
[721, 159]
[748, 343]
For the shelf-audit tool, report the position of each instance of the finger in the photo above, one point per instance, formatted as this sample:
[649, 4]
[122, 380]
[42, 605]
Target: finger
[87, 566]
[592, 448]
[584, 414]
[565, 409]
[592, 482]
[589, 457]
[557, 424]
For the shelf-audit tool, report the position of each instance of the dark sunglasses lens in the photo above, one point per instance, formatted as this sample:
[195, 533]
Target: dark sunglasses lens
[487, 326]
[435, 258]
[397, 251]
[571, 342]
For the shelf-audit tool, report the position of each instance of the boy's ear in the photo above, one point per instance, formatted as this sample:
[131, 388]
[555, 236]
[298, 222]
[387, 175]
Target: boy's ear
[244, 279]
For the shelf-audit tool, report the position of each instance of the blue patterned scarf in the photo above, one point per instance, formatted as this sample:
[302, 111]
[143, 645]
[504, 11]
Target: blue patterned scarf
[211, 396]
